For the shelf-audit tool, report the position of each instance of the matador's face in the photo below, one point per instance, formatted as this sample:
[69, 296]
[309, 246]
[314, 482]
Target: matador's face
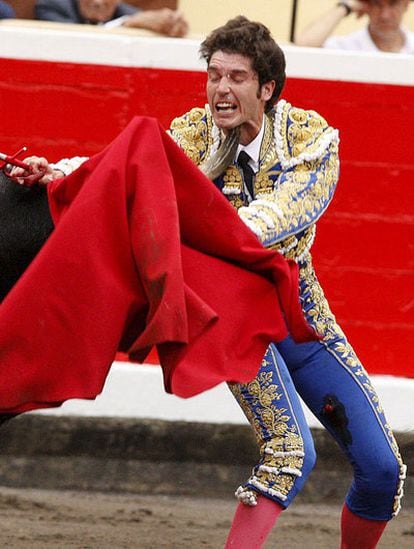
[234, 95]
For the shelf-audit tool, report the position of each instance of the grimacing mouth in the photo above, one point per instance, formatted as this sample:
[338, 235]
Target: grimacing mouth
[225, 106]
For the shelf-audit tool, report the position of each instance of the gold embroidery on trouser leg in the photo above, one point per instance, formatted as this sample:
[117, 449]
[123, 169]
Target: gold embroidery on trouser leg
[277, 434]
[319, 315]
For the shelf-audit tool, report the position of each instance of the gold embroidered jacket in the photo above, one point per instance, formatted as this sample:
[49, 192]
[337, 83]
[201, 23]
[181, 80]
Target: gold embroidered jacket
[298, 172]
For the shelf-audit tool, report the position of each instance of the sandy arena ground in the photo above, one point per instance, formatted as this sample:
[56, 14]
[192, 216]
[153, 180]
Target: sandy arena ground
[41, 519]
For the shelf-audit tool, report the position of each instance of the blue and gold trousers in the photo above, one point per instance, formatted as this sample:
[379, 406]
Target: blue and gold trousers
[333, 384]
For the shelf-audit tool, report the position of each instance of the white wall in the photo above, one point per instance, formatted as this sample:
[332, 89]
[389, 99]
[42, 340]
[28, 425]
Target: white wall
[137, 391]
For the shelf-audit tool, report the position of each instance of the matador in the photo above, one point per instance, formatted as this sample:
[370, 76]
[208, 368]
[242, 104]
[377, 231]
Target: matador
[294, 168]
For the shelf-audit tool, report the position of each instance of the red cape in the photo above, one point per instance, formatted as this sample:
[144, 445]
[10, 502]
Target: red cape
[146, 251]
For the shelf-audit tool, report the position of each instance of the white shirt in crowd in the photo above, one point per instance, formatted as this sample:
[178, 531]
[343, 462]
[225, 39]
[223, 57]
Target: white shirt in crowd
[362, 41]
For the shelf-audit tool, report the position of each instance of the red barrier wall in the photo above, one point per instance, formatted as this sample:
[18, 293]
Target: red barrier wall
[364, 247]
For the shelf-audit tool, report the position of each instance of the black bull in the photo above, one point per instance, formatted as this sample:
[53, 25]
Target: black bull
[24, 227]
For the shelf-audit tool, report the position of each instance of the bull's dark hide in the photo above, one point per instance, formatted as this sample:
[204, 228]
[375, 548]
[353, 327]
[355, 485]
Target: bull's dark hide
[25, 224]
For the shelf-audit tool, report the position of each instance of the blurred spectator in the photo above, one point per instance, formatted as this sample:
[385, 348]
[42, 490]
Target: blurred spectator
[6, 11]
[384, 31]
[112, 13]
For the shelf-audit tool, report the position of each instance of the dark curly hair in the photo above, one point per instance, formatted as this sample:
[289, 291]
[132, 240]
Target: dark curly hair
[253, 40]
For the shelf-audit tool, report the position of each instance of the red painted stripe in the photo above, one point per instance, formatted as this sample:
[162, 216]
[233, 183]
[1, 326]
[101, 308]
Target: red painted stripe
[365, 242]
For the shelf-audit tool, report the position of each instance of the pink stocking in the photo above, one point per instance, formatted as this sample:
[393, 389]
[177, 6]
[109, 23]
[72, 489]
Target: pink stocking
[358, 532]
[252, 524]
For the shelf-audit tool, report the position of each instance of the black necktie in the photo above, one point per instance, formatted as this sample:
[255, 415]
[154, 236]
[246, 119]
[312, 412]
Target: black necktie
[248, 173]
